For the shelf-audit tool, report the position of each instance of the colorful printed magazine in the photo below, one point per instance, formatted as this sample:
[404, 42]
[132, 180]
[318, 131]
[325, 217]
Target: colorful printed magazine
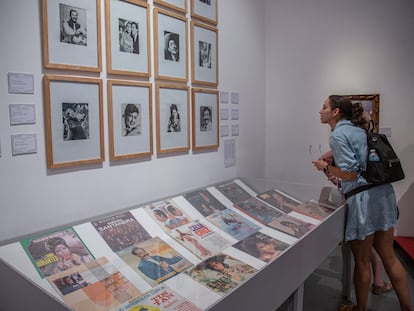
[221, 273]
[56, 251]
[96, 285]
[262, 246]
[160, 298]
[121, 230]
[234, 224]
[232, 191]
[167, 214]
[154, 260]
[204, 202]
[200, 239]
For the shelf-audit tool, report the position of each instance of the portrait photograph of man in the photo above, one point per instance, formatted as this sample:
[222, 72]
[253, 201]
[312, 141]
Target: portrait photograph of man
[73, 25]
[171, 46]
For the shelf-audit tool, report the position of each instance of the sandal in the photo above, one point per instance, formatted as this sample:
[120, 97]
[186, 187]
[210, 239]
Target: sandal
[386, 287]
[344, 307]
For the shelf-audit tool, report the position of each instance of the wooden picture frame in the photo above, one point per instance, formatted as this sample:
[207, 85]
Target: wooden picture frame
[127, 38]
[66, 48]
[129, 119]
[73, 121]
[204, 54]
[371, 104]
[205, 10]
[177, 5]
[205, 119]
[170, 45]
[173, 118]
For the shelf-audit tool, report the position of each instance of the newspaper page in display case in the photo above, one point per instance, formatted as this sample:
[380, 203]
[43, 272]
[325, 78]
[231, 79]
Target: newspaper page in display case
[160, 298]
[200, 239]
[56, 251]
[154, 260]
[167, 214]
[262, 246]
[120, 231]
[232, 223]
[292, 226]
[279, 200]
[258, 210]
[233, 191]
[204, 202]
[96, 285]
[221, 273]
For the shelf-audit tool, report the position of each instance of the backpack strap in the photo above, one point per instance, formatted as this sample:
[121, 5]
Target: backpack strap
[359, 189]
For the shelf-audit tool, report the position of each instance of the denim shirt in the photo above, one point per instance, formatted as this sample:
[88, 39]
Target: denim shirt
[349, 147]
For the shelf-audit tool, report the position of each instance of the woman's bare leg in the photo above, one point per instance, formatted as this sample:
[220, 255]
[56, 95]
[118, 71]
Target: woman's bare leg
[384, 245]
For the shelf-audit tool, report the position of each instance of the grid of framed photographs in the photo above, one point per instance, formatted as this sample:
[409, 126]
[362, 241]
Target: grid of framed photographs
[74, 104]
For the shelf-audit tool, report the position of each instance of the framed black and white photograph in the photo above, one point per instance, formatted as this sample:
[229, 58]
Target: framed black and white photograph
[177, 5]
[170, 41]
[370, 103]
[73, 121]
[127, 37]
[129, 119]
[204, 53]
[72, 34]
[205, 10]
[173, 115]
[205, 123]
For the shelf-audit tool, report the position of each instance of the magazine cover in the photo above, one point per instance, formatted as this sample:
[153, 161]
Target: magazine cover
[233, 191]
[331, 198]
[200, 239]
[291, 226]
[120, 231]
[279, 200]
[167, 214]
[204, 202]
[56, 251]
[313, 209]
[233, 224]
[221, 273]
[262, 246]
[157, 299]
[96, 285]
[154, 260]
[258, 210]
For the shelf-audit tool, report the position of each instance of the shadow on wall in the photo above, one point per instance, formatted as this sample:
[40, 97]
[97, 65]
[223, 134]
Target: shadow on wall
[406, 201]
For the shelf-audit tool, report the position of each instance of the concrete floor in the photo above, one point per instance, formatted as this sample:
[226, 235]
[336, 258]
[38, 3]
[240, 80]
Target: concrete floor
[323, 288]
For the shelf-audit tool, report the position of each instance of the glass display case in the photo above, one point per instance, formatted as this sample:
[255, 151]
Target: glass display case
[243, 242]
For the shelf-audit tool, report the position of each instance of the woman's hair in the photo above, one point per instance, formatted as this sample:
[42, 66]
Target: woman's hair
[53, 242]
[347, 109]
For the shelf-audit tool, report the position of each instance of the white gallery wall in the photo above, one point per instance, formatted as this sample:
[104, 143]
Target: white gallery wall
[34, 199]
[315, 48]
[282, 56]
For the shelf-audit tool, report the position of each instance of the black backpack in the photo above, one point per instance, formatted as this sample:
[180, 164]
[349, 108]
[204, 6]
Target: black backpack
[383, 164]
